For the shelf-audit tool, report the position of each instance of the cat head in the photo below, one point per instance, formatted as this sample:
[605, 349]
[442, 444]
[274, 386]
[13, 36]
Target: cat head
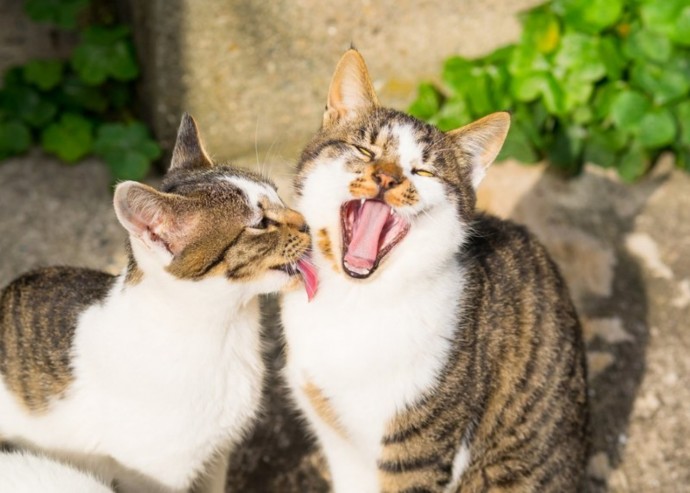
[375, 183]
[211, 221]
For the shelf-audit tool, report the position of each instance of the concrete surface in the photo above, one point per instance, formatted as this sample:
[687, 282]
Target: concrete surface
[621, 247]
[257, 72]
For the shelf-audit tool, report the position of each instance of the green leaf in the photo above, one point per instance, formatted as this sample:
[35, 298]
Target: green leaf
[553, 96]
[456, 70]
[44, 74]
[627, 110]
[665, 84]
[127, 149]
[454, 114]
[610, 52]
[542, 29]
[70, 138]
[15, 138]
[633, 164]
[104, 53]
[589, 16]
[75, 95]
[526, 59]
[28, 104]
[566, 150]
[661, 16]
[645, 44]
[518, 146]
[580, 54]
[681, 33]
[62, 13]
[683, 114]
[657, 129]
[528, 87]
[604, 96]
[428, 102]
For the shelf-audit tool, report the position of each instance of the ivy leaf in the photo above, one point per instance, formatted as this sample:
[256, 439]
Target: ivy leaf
[104, 53]
[627, 110]
[604, 96]
[127, 149]
[661, 16]
[665, 84]
[589, 16]
[15, 138]
[681, 34]
[70, 138]
[657, 129]
[456, 71]
[62, 13]
[427, 103]
[44, 74]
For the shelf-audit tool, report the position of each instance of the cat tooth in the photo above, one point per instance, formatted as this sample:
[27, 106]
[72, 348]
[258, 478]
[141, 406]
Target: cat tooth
[361, 201]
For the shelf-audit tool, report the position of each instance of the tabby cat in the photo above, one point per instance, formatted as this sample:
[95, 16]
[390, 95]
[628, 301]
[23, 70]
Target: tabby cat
[149, 377]
[442, 352]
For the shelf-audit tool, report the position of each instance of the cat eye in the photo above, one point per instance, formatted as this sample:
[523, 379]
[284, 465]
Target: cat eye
[423, 172]
[364, 152]
[264, 223]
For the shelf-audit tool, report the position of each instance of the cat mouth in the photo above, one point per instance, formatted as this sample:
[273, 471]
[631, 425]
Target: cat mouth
[306, 270]
[371, 229]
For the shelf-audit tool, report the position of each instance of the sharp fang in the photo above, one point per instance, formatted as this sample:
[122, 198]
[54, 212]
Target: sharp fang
[392, 212]
[361, 201]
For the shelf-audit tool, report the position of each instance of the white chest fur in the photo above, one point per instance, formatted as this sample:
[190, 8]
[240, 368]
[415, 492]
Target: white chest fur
[370, 349]
[165, 375]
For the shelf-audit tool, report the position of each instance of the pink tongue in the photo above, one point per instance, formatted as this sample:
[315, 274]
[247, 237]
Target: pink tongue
[364, 246]
[309, 276]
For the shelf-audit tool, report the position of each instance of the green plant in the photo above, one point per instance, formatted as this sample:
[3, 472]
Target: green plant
[602, 81]
[81, 105]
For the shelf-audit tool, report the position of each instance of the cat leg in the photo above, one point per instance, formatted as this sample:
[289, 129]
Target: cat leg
[212, 480]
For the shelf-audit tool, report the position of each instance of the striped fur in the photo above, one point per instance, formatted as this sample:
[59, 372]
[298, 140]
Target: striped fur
[149, 378]
[458, 364]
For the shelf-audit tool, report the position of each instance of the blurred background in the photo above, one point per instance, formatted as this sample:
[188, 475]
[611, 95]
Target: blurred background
[92, 92]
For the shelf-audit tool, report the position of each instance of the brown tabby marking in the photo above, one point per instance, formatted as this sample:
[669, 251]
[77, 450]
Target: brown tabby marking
[519, 399]
[324, 243]
[322, 407]
[38, 317]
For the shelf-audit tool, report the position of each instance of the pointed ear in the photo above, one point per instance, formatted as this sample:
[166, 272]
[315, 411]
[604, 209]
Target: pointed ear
[158, 219]
[482, 140]
[351, 89]
[189, 151]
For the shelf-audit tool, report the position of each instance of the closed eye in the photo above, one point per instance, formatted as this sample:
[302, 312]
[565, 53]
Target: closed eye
[365, 152]
[423, 172]
[264, 223]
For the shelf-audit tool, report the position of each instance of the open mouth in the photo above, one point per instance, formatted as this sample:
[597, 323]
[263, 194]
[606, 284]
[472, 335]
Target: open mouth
[371, 228]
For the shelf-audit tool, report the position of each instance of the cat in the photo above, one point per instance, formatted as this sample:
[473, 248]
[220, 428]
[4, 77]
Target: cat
[148, 378]
[442, 352]
[27, 473]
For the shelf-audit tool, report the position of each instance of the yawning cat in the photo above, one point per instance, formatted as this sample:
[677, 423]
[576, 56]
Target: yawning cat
[442, 352]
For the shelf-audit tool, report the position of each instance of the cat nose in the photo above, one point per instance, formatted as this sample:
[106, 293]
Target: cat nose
[385, 180]
[295, 219]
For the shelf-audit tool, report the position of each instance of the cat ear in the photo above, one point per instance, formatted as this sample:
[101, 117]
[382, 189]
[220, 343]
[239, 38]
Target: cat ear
[482, 140]
[189, 151]
[351, 89]
[157, 219]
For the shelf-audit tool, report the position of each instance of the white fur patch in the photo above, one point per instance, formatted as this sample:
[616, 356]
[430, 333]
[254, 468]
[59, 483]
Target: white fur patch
[460, 463]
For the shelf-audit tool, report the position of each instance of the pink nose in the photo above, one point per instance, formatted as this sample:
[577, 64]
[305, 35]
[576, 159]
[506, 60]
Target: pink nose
[385, 181]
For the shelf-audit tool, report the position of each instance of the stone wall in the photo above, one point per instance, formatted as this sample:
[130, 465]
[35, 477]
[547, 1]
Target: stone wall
[255, 73]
